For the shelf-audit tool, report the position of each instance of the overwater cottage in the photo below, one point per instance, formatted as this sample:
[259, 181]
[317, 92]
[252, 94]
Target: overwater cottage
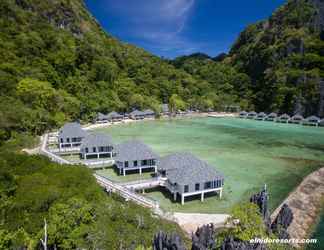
[189, 176]
[97, 145]
[243, 114]
[283, 118]
[296, 119]
[251, 115]
[261, 116]
[135, 155]
[271, 117]
[71, 135]
[312, 121]
[115, 117]
[136, 115]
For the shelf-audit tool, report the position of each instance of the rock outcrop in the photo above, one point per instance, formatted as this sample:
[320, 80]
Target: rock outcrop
[231, 244]
[163, 241]
[204, 238]
[304, 203]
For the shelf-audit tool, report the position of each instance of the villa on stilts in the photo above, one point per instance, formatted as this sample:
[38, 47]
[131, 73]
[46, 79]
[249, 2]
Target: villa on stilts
[187, 176]
[97, 146]
[135, 155]
[70, 136]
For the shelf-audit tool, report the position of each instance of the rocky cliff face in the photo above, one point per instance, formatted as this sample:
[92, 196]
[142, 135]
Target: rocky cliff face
[284, 56]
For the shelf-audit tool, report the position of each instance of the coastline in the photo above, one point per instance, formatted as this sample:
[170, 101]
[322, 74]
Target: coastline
[191, 115]
[305, 202]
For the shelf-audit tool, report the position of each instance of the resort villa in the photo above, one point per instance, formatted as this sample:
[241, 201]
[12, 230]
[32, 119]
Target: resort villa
[296, 119]
[71, 136]
[149, 113]
[283, 118]
[137, 115]
[271, 117]
[111, 117]
[135, 155]
[115, 117]
[251, 115]
[312, 121]
[261, 116]
[187, 176]
[243, 114]
[96, 146]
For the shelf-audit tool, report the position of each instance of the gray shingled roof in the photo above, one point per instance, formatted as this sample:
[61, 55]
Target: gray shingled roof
[113, 115]
[284, 116]
[185, 168]
[313, 118]
[101, 116]
[149, 112]
[262, 114]
[297, 117]
[134, 150]
[137, 113]
[72, 130]
[96, 140]
[272, 115]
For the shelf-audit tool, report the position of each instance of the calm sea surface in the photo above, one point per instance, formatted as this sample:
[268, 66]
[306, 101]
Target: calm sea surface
[249, 153]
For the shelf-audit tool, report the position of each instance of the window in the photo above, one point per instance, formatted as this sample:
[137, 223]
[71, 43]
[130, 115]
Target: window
[207, 185]
[86, 150]
[61, 140]
[135, 163]
[68, 140]
[186, 188]
[144, 163]
[197, 186]
[94, 149]
[126, 164]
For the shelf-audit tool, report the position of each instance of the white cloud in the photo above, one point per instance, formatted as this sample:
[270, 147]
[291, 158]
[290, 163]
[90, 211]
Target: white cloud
[159, 22]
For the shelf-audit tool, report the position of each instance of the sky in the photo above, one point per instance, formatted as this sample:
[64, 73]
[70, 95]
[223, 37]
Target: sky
[171, 28]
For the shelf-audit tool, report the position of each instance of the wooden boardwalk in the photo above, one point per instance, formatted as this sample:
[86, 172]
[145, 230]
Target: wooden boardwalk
[104, 182]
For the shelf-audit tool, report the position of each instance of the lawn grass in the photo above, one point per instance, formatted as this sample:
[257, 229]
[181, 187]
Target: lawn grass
[113, 175]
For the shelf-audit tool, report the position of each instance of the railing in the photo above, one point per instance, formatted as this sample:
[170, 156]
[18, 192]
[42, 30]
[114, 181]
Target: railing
[126, 193]
[49, 154]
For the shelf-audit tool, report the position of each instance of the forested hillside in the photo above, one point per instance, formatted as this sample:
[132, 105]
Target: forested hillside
[280, 61]
[78, 213]
[284, 56]
[58, 64]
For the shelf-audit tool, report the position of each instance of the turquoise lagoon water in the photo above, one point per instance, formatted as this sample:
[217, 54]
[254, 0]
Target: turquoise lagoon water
[249, 153]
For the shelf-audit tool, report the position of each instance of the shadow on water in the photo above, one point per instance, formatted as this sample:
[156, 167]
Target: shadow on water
[318, 233]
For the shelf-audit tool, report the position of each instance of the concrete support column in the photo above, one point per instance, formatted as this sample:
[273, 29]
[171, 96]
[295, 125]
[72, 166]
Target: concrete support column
[143, 191]
[182, 199]
[155, 169]
[221, 193]
[140, 170]
[124, 171]
[175, 196]
[202, 197]
[98, 156]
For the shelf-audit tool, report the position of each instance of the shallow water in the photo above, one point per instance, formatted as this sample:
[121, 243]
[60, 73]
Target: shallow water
[318, 234]
[249, 153]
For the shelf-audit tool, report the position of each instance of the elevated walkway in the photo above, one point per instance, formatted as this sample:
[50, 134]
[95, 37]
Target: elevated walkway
[145, 184]
[126, 193]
